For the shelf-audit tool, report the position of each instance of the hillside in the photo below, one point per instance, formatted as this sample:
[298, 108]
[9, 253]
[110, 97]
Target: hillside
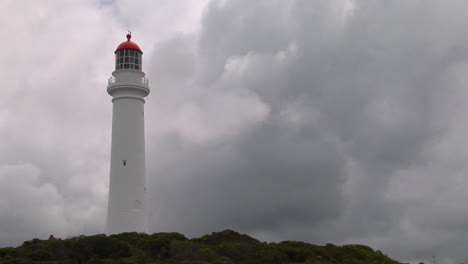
[226, 247]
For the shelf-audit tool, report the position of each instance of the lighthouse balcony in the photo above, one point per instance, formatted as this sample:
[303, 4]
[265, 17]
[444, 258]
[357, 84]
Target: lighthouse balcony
[130, 78]
[122, 84]
[143, 80]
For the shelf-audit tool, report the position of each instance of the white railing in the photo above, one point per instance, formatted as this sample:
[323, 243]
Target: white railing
[144, 81]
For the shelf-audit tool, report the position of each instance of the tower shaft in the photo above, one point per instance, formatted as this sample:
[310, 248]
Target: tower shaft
[127, 188]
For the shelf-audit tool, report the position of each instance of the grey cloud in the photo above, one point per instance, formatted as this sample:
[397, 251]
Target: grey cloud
[355, 101]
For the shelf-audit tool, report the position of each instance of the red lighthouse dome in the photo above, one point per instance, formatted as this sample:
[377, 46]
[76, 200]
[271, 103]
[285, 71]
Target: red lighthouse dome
[128, 45]
[128, 55]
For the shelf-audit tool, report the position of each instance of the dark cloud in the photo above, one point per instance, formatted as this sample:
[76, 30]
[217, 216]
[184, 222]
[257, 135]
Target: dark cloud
[358, 105]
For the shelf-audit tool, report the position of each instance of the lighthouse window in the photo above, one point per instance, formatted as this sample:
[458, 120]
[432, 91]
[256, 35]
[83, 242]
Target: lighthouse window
[128, 59]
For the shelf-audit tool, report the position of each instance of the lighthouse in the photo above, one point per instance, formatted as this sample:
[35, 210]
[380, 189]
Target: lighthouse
[128, 87]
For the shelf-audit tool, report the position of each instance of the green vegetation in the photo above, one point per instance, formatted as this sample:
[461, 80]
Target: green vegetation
[227, 247]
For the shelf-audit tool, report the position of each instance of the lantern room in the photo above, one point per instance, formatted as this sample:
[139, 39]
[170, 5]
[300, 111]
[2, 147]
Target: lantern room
[128, 55]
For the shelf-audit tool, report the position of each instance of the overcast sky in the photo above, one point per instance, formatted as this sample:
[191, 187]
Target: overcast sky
[334, 121]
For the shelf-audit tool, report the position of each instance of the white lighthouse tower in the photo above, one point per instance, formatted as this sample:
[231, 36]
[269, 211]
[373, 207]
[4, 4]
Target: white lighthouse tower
[128, 87]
